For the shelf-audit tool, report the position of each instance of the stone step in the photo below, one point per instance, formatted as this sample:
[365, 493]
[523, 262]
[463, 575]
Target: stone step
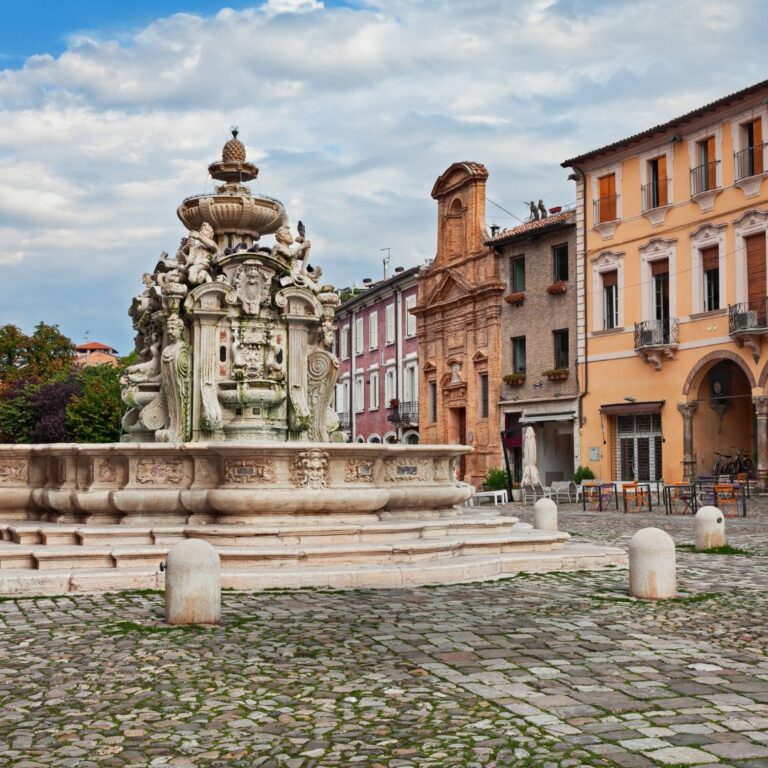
[465, 568]
[251, 535]
[51, 557]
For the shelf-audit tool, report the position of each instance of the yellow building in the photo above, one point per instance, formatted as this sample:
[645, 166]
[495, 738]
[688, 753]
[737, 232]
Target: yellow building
[671, 234]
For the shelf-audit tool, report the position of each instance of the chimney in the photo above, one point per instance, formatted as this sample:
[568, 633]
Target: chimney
[494, 230]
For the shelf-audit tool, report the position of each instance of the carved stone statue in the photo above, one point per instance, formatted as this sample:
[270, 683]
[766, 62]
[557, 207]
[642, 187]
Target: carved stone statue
[534, 211]
[282, 249]
[201, 250]
[542, 209]
[149, 368]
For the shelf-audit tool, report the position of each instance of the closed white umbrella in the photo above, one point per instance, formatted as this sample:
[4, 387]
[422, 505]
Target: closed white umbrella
[530, 470]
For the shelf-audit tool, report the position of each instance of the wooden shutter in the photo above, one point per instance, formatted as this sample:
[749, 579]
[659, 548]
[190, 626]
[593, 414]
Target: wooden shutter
[710, 258]
[757, 141]
[662, 174]
[660, 267]
[711, 161]
[607, 197]
[610, 278]
[755, 247]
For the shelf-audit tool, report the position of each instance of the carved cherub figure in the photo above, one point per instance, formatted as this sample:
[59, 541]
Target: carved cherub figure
[202, 248]
[325, 334]
[284, 241]
[149, 368]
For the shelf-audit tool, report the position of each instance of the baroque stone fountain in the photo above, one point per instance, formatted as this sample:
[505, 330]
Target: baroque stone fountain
[229, 437]
[229, 414]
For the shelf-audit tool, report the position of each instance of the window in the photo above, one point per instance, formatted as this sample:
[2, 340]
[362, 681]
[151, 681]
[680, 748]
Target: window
[359, 394]
[390, 323]
[359, 336]
[655, 192]
[560, 339]
[517, 274]
[389, 385]
[605, 205]
[560, 262]
[344, 398]
[410, 391]
[710, 262]
[340, 405]
[344, 342]
[432, 402]
[704, 175]
[373, 391]
[410, 320]
[518, 354]
[610, 299]
[373, 330]
[483, 395]
[749, 161]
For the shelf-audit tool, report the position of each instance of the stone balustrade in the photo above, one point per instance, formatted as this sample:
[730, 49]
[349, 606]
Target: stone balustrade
[223, 482]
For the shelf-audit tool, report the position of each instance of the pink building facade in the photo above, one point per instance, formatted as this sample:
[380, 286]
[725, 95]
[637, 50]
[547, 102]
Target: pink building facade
[377, 394]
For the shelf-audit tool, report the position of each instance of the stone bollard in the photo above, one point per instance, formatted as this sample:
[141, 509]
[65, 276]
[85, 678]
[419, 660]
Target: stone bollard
[710, 528]
[545, 515]
[652, 565]
[193, 583]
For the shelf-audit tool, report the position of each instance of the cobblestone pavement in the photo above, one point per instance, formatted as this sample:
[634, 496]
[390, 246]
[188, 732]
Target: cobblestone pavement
[552, 670]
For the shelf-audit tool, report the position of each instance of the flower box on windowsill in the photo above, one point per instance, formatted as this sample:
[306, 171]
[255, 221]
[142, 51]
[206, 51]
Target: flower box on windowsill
[557, 374]
[557, 288]
[515, 298]
[517, 379]
[394, 403]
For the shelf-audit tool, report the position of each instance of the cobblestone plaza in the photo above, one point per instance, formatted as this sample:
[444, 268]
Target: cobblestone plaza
[535, 670]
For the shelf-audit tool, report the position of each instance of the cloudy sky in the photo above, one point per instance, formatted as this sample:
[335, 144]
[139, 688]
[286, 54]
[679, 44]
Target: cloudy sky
[110, 113]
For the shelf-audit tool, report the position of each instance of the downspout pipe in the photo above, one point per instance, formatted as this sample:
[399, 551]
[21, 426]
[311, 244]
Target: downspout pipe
[580, 177]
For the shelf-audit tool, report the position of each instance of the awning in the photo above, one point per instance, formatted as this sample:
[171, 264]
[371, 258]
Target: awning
[632, 409]
[531, 417]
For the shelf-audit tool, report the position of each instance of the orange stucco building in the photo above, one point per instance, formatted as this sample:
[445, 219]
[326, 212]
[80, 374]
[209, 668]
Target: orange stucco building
[459, 326]
[671, 238]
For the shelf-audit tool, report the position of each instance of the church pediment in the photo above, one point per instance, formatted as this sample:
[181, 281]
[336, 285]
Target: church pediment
[452, 286]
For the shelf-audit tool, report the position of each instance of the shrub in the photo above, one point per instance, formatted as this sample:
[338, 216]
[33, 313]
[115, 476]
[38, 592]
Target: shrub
[496, 480]
[583, 473]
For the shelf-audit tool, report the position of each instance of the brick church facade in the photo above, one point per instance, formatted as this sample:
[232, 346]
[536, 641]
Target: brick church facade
[459, 326]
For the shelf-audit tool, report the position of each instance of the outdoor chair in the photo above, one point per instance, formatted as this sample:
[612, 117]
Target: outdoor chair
[729, 499]
[564, 489]
[534, 491]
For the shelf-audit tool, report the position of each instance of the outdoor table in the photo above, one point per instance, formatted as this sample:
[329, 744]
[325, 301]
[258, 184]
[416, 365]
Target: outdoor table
[639, 493]
[680, 492]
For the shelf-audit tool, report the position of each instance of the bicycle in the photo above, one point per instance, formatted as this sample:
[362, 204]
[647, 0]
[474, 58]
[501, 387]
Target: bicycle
[723, 464]
[742, 463]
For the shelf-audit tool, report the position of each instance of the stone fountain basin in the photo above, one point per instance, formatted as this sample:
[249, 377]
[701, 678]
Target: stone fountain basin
[226, 481]
[242, 214]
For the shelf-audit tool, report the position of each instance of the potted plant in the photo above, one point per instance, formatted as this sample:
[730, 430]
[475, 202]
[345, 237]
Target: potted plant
[556, 374]
[517, 493]
[517, 379]
[394, 402]
[557, 288]
[516, 298]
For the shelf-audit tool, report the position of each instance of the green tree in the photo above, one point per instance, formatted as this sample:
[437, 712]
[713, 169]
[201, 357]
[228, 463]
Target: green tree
[18, 412]
[46, 354]
[94, 414]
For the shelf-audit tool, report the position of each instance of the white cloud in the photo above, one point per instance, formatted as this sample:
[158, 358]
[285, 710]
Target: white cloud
[351, 113]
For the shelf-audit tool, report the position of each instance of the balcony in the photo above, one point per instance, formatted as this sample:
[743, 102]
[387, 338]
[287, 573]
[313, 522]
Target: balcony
[748, 162]
[657, 339]
[748, 169]
[748, 324]
[655, 200]
[345, 421]
[605, 214]
[405, 414]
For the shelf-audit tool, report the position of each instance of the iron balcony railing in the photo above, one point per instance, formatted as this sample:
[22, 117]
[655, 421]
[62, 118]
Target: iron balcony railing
[704, 177]
[656, 333]
[655, 194]
[606, 209]
[747, 317]
[345, 420]
[404, 413]
[748, 162]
